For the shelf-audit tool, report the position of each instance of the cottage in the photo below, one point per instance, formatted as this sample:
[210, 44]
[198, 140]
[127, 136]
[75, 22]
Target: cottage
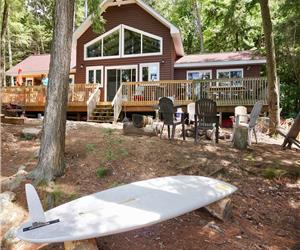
[138, 59]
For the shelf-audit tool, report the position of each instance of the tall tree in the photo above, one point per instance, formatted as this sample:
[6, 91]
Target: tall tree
[273, 86]
[51, 159]
[197, 10]
[2, 41]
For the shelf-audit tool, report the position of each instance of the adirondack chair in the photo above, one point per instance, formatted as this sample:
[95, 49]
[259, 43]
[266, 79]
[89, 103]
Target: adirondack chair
[291, 136]
[206, 117]
[166, 108]
[252, 122]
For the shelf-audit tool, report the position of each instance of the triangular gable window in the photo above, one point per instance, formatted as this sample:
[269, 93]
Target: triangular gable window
[133, 42]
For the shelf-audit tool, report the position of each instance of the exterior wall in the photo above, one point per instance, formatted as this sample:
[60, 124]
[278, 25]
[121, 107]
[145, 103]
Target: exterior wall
[249, 71]
[133, 16]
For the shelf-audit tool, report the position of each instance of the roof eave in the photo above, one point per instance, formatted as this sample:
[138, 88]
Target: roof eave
[221, 63]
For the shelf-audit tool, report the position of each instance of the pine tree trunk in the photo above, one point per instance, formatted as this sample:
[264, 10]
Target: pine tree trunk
[10, 62]
[51, 159]
[2, 41]
[197, 11]
[273, 85]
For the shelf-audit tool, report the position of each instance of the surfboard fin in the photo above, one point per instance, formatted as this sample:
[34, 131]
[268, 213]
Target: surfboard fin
[35, 209]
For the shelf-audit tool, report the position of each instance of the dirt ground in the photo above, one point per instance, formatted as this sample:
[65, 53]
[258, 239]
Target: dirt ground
[266, 213]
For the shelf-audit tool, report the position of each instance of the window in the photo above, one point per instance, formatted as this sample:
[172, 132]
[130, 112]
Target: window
[95, 50]
[94, 75]
[111, 44]
[123, 41]
[150, 45]
[149, 72]
[29, 81]
[132, 42]
[230, 73]
[198, 74]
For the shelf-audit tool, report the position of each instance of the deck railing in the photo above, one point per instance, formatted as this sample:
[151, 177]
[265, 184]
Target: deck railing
[226, 92]
[36, 95]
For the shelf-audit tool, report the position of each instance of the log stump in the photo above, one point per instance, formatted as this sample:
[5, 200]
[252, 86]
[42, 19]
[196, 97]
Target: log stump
[140, 121]
[240, 137]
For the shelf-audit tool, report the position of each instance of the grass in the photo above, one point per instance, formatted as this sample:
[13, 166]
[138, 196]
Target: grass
[101, 172]
[90, 147]
[116, 184]
[272, 173]
[26, 137]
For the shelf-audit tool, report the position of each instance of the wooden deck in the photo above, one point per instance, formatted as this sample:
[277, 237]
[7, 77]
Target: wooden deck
[144, 96]
[228, 93]
[33, 98]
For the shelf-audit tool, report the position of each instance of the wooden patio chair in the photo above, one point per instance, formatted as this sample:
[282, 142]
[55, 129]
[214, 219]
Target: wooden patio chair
[206, 117]
[255, 112]
[291, 136]
[166, 109]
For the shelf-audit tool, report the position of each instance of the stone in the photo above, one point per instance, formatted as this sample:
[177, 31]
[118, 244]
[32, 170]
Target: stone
[130, 129]
[6, 197]
[14, 181]
[221, 209]
[31, 133]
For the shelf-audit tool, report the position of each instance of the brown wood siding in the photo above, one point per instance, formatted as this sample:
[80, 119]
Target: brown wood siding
[133, 16]
[249, 71]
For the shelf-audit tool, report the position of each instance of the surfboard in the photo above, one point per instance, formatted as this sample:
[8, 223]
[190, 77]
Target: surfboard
[120, 209]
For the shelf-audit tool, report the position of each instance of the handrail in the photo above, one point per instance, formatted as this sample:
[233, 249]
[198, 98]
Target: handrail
[117, 103]
[92, 101]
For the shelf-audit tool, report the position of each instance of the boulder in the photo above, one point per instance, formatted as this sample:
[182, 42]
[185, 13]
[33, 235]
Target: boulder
[31, 133]
[14, 181]
[130, 129]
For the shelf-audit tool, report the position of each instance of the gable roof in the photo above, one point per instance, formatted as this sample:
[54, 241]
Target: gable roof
[37, 64]
[219, 59]
[174, 31]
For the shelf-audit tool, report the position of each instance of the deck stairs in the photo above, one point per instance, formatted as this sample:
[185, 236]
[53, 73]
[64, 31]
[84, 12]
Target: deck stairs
[102, 113]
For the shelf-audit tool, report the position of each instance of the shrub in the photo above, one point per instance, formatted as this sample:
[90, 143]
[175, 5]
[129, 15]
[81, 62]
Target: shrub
[101, 172]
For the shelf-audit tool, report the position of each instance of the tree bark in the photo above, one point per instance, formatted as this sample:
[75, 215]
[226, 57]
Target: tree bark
[2, 41]
[197, 11]
[273, 85]
[10, 61]
[51, 159]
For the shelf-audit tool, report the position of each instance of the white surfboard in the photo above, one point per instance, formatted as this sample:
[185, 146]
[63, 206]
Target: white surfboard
[121, 209]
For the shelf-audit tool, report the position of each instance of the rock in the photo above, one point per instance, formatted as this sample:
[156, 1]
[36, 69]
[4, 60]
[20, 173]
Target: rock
[14, 181]
[130, 129]
[90, 244]
[221, 209]
[31, 133]
[36, 153]
[6, 197]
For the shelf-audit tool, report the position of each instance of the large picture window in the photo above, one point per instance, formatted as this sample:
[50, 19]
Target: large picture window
[94, 75]
[123, 41]
[198, 75]
[230, 73]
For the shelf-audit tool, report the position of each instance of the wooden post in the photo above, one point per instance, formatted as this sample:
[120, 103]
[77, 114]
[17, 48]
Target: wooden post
[89, 244]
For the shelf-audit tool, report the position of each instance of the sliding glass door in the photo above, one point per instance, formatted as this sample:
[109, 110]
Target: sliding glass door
[115, 76]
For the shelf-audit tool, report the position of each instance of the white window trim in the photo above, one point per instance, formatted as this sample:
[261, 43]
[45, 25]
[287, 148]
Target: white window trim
[199, 71]
[73, 78]
[228, 70]
[29, 79]
[121, 28]
[94, 68]
[142, 33]
[101, 38]
[149, 64]
[133, 66]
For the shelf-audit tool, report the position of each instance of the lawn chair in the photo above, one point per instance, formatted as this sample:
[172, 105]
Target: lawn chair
[166, 108]
[206, 117]
[252, 121]
[291, 136]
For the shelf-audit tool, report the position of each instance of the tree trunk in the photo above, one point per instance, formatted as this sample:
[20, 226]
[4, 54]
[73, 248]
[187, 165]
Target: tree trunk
[273, 86]
[51, 159]
[197, 11]
[2, 41]
[10, 63]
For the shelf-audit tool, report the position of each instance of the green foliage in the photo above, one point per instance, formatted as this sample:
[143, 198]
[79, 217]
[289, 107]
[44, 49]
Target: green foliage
[26, 137]
[101, 172]
[116, 184]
